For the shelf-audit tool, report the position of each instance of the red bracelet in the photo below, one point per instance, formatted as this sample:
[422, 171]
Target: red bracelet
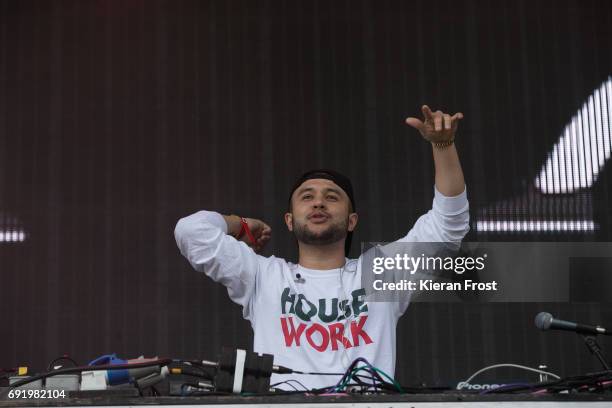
[245, 228]
[241, 232]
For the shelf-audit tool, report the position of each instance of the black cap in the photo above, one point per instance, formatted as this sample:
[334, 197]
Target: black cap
[341, 181]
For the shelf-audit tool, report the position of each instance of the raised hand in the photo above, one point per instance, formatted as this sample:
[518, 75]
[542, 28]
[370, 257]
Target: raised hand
[437, 127]
[261, 233]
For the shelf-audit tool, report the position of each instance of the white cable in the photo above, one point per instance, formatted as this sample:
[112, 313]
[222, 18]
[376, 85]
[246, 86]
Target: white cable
[535, 370]
[239, 371]
[346, 361]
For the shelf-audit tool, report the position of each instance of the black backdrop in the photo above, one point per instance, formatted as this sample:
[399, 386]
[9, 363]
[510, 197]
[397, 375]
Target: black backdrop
[119, 117]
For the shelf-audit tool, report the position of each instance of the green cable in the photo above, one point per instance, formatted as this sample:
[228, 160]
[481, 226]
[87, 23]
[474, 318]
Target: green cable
[356, 370]
[350, 376]
[395, 383]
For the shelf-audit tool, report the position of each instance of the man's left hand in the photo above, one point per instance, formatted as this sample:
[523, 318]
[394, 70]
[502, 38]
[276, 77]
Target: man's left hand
[437, 126]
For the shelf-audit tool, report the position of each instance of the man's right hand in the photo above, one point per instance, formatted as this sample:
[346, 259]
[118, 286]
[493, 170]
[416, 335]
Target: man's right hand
[261, 233]
[260, 230]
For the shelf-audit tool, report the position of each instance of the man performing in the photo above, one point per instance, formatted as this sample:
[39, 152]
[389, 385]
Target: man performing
[313, 316]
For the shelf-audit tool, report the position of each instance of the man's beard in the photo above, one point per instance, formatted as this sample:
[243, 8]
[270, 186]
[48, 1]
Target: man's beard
[332, 234]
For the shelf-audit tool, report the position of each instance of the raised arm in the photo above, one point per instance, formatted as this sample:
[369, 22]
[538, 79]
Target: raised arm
[259, 231]
[448, 220]
[208, 240]
[439, 129]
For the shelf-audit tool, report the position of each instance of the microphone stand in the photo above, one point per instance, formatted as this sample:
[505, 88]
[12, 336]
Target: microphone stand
[594, 348]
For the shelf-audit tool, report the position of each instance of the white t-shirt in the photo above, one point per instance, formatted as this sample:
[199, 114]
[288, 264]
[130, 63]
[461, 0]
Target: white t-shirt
[321, 322]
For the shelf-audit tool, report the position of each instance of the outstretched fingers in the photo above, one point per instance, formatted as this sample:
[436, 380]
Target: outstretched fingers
[415, 123]
[427, 113]
[435, 125]
[447, 121]
[437, 119]
[455, 120]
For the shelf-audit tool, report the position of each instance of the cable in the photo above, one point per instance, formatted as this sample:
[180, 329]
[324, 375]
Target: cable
[288, 382]
[194, 371]
[353, 265]
[159, 362]
[64, 357]
[590, 382]
[508, 387]
[185, 393]
[351, 375]
[361, 381]
[393, 381]
[312, 373]
[345, 376]
[509, 365]
[138, 388]
[374, 378]
[346, 320]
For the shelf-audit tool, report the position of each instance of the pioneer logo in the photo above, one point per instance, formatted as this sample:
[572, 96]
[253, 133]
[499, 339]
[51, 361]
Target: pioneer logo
[477, 387]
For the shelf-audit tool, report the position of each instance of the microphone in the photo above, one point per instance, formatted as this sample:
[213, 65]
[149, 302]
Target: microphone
[545, 321]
